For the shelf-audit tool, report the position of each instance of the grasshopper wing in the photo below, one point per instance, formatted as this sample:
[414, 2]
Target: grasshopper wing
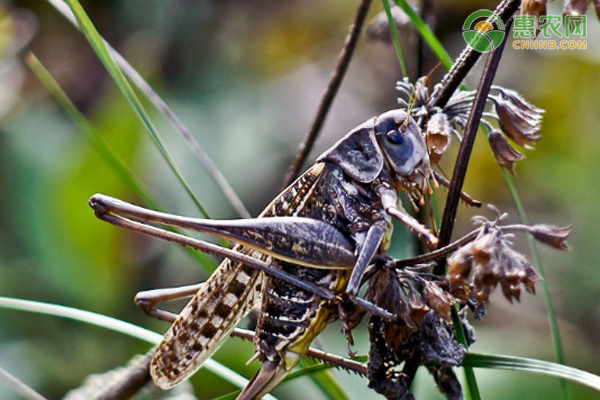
[205, 322]
[223, 300]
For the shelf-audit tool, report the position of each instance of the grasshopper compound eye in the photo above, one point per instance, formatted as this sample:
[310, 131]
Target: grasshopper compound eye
[401, 141]
[394, 137]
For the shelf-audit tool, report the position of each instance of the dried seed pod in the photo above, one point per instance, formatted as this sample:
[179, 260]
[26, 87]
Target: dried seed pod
[505, 154]
[552, 235]
[437, 136]
[519, 120]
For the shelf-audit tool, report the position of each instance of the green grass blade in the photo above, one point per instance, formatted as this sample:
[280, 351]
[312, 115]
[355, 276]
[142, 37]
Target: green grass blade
[105, 151]
[208, 164]
[98, 46]
[472, 387]
[325, 380]
[428, 36]
[18, 386]
[395, 37]
[537, 262]
[115, 325]
[90, 134]
[532, 365]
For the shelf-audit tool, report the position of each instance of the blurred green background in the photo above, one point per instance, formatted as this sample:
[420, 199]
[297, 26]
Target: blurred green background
[246, 78]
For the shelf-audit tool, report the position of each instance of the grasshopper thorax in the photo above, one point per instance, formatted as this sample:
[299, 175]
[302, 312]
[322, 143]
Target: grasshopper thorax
[392, 141]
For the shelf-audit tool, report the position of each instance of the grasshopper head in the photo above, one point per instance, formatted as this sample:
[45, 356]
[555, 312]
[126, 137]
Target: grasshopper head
[405, 151]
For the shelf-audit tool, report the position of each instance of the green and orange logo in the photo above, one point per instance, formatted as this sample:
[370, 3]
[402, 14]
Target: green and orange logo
[483, 30]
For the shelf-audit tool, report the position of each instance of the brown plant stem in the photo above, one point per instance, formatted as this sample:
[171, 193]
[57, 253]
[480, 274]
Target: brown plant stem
[467, 59]
[466, 146]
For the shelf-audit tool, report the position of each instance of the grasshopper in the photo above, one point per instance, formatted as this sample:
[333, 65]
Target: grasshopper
[324, 229]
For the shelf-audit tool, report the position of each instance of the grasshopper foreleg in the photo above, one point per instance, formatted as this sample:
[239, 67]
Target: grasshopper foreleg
[389, 201]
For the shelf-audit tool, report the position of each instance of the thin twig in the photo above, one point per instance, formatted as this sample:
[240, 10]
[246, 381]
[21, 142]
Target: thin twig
[466, 146]
[467, 60]
[209, 166]
[332, 88]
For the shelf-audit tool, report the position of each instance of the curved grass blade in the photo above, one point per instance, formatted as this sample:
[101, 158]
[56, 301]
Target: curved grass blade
[395, 37]
[432, 41]
[325, 380]
[163, 107]
[115, 325]
[98, 142]
[18, 386]
[532, 365]
[537, 262]
[98, 46]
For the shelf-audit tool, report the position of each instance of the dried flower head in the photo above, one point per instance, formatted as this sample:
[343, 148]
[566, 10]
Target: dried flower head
[552, 235]
[505, 154]
[490, 261]
[437, 136]
[519, 120]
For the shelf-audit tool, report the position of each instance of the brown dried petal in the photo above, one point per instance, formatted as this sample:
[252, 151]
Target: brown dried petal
[536, 8]
[485, 279]
[512, 273]
[460, 262]
[505, 154]
[437, 136]
[518, 121]
[459, 269]
[520, 102]
[533, 7]
[483, 248]
[531, 277]
[439, 300]
[417, 307]
[576, 7]
[552, 235]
